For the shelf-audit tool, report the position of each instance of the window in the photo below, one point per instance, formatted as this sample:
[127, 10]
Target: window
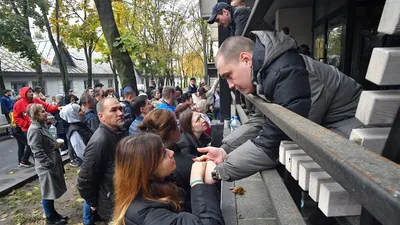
[16, 86]
[44, 88]
[70, 84]
[96, 82]
[85, 84]
[334, 46]
[110, 83]
[319, 48]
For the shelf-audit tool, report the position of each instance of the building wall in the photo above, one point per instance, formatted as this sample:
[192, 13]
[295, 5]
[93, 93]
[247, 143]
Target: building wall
[54, 83]
[299, 21]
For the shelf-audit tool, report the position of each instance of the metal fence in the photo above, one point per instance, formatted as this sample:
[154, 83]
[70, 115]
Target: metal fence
[371, 179]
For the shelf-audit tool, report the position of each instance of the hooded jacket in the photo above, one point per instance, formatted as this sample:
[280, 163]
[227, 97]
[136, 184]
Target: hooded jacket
[21, 118]
[307, 87]
[78, 133]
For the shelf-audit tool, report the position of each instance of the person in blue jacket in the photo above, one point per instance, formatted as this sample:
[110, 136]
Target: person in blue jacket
[7, 104]
[169, 98]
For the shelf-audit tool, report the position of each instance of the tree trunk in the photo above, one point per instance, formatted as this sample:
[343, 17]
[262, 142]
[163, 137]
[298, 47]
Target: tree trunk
[121, 60]
[2, 86]
[57, 50]
[205, 68]
[39, 76]
[115, 75]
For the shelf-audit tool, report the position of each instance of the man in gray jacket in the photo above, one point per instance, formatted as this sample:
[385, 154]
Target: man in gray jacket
[271, 68]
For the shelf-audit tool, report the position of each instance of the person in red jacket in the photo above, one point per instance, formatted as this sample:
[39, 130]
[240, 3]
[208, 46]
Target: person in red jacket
[23, 121]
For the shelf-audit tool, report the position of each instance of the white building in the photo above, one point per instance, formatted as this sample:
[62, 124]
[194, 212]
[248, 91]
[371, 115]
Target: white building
[18, 73]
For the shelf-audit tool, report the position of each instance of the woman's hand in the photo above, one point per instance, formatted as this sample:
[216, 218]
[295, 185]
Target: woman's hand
[207, 177]
[197, 173]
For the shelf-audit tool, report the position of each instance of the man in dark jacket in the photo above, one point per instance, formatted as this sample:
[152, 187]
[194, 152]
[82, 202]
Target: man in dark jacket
[192, 86]
[272, 69]
[151, 87]
[129, 95]
[95, 180]
[234, 17]
[91, 118]
[6, 104]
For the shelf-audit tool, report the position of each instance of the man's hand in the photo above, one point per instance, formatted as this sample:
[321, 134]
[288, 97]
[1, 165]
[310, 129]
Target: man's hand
[93, 208]
[217, 155]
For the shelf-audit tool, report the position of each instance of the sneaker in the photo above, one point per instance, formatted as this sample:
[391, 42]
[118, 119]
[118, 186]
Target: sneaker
[64, 152]
[26, 164]
[75, 163]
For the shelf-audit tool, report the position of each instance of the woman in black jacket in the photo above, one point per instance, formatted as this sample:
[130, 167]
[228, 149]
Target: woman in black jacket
[163, 123]
[144, 194]
[193, 136]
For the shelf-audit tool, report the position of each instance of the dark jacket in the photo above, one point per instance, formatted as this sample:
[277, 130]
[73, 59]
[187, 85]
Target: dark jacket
[61, 125]
[92, 120]
[95, 180]
[205, 207]
[240, 16]
[6, 104]
[188, 145]
[148, 92]
[305, 86]
[192, 89]
[129, 117]
[182, 174]
[83, 131]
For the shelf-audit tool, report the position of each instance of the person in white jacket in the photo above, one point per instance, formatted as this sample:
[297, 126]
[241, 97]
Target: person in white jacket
[78, 134]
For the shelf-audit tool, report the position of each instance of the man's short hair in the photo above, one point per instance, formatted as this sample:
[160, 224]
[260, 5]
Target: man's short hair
[7, 90]
[137, 103]
[192, 79]
[202, 91]
[167, 91]
[98, 91]
[286, 30]
[232, 47]
[186, 96]
[100, 104]
[86, 99]
[128, 93]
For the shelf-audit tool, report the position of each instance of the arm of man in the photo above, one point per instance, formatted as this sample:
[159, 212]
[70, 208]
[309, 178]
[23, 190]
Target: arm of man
[213, 87]
[240, 17]
[91, 172]
[245, 132]
[19, 117]
[262, 152]
[49, 108]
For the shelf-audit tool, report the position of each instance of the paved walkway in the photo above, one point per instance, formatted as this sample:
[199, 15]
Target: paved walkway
[12, 176]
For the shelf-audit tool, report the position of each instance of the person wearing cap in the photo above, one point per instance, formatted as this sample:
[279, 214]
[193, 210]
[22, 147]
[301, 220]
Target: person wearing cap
[234, 17]
[100, 85]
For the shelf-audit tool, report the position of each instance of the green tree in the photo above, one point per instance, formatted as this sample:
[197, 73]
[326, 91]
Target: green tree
[80, 28]
[15, 31]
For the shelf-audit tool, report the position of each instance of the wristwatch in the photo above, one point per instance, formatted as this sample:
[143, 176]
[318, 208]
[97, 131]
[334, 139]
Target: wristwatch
[215, 175]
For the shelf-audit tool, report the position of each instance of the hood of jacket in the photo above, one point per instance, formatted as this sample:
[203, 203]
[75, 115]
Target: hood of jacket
[268, 46]
[23, 91]
[70, 113]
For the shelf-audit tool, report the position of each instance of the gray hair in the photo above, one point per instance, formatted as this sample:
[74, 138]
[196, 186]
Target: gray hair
[33, 110]
[100, 104]
[232, 47]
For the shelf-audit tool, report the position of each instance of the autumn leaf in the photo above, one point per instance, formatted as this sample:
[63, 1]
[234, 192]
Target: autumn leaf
[11, 172]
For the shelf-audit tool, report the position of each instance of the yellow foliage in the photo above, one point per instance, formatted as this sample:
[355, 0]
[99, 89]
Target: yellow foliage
[192, 65]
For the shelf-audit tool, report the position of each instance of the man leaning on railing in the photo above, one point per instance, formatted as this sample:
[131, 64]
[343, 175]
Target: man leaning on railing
[270, 67]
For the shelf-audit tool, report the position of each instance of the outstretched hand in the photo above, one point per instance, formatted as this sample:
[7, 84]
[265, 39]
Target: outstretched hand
[217, 155]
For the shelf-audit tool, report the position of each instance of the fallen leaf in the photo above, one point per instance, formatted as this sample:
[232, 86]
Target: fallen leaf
[3, 219]
[80, 200]
[4, 216]
[238, 190]
[11, 172]
[28, 193]
[35, 211]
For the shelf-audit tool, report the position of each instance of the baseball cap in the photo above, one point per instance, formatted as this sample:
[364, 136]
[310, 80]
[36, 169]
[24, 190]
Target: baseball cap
[215, 9]
[98, 85]
[127, 89]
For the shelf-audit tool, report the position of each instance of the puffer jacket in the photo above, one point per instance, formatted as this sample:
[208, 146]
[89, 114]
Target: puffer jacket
[307, 87]
[205, 210]
[95, 179]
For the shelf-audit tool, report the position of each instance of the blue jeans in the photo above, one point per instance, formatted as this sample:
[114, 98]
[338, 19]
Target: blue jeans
[217, 114]
[87, 214]
[48, 206]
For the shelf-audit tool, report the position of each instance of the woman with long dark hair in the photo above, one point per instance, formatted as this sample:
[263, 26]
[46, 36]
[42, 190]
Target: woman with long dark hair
[163, 123]
[193, 136]
[145, 195]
